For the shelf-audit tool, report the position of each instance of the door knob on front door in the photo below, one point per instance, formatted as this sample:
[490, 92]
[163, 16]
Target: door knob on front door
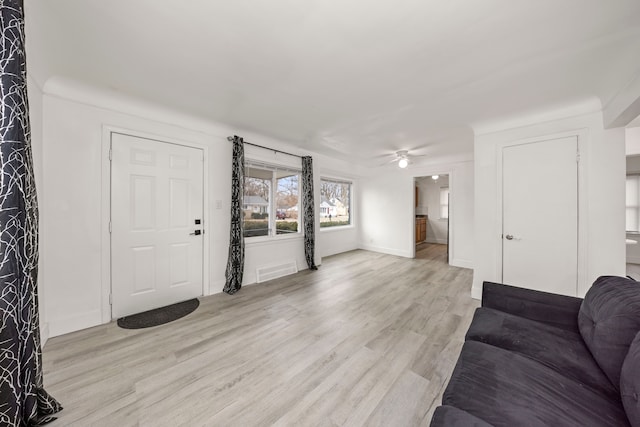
[196, 233]
[509, 237]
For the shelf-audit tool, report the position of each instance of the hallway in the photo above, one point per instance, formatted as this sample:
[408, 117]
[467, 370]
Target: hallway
[432, 252]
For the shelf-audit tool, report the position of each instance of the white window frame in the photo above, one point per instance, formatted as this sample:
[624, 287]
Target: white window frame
[272, 232]
[350, 206]
[444, 205]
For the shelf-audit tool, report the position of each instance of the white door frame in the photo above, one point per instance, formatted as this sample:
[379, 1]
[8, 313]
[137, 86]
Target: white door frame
[582, 135]
[105, 210]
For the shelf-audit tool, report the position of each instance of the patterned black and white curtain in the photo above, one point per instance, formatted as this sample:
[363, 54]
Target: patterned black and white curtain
[23, 401]
[235, 262]
[308, 208]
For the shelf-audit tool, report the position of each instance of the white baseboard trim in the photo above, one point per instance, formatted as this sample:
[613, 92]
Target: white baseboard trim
[464, 263]
[216, 287]
[249, 279]
[633, 260]
[252, 278]
[339, 251]
[437, 241]
[476, 292]
[44, 333]
[74, 323]
[383, 250]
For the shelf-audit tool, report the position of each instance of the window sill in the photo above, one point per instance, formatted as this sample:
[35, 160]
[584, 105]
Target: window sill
[337, 228]
[266, 240]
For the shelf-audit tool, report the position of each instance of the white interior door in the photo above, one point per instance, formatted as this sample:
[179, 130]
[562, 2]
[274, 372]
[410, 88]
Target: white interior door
[156, 207]
[540, 215]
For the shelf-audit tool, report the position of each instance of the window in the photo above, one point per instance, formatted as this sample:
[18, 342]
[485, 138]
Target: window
[444, 202]
[335, 203]
[632, 213]
[271, 202]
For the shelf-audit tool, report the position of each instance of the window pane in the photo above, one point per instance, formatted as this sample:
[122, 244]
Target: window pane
[444, 212]
[257, 189]
[632, 191]
[444, 202]
[444, 196]
[335, 203]
[287, 202]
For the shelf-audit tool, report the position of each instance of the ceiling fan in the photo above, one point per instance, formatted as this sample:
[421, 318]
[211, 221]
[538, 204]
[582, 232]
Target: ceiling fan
[403, 158]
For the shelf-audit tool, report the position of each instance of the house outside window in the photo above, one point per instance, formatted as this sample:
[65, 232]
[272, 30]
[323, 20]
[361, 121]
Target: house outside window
[335, 203]
[271, 200]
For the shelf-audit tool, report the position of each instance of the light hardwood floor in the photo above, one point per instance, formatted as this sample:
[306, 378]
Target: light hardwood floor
[368, 339]
[431, 252]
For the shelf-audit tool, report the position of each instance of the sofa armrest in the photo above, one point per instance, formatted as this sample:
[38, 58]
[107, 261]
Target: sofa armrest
[556, 310]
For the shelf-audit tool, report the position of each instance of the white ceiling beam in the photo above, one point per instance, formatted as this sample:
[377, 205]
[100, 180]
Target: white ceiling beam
[624, 107]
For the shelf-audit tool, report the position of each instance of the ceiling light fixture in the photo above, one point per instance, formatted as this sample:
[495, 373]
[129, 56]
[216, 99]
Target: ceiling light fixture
[403, 163]
[435, 177]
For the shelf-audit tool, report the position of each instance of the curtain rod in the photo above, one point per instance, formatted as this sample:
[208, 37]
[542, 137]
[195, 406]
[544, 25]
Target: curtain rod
[230, 138]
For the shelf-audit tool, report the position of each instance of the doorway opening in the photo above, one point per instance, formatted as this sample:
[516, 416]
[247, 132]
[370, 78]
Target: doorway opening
[432, 229]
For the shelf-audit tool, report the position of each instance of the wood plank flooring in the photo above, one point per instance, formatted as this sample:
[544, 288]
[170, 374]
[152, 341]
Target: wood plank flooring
[368, 339]
[433, 252]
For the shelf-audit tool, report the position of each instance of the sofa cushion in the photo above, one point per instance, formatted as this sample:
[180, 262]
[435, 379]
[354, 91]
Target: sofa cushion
[630, 382]
[504, 388]
[556, 310]
[609, 319]
[560, 349]
[448, 416]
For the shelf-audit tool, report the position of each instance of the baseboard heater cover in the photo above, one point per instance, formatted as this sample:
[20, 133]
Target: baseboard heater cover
[271, 272]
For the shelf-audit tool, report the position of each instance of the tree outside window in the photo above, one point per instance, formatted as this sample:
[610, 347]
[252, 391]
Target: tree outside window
[335, 203]
[266, 213]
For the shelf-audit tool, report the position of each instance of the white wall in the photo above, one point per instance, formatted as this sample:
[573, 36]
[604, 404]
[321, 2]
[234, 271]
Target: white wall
[633, 163]
[429, 204]
[335, 240]
[601, 208]
[387, 211]
[75, 227]
[73, 235]
[36, 117]
[632, 141]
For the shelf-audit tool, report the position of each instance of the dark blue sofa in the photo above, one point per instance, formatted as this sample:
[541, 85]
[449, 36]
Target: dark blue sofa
[538, 359]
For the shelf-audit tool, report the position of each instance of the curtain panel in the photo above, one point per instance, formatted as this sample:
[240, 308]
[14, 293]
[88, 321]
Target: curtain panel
[235, 260]
[308, 208]
[23, 401]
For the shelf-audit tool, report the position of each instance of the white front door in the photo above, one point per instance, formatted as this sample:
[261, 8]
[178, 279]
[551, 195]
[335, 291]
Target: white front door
[156, 207]
[540, 215]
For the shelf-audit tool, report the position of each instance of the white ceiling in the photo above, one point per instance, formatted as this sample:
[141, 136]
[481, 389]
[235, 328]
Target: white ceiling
[354, 79]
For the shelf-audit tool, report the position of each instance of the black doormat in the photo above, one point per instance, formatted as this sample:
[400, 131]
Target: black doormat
[159, 316]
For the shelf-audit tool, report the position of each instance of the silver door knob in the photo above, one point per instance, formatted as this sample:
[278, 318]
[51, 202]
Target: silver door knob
[509, 237]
